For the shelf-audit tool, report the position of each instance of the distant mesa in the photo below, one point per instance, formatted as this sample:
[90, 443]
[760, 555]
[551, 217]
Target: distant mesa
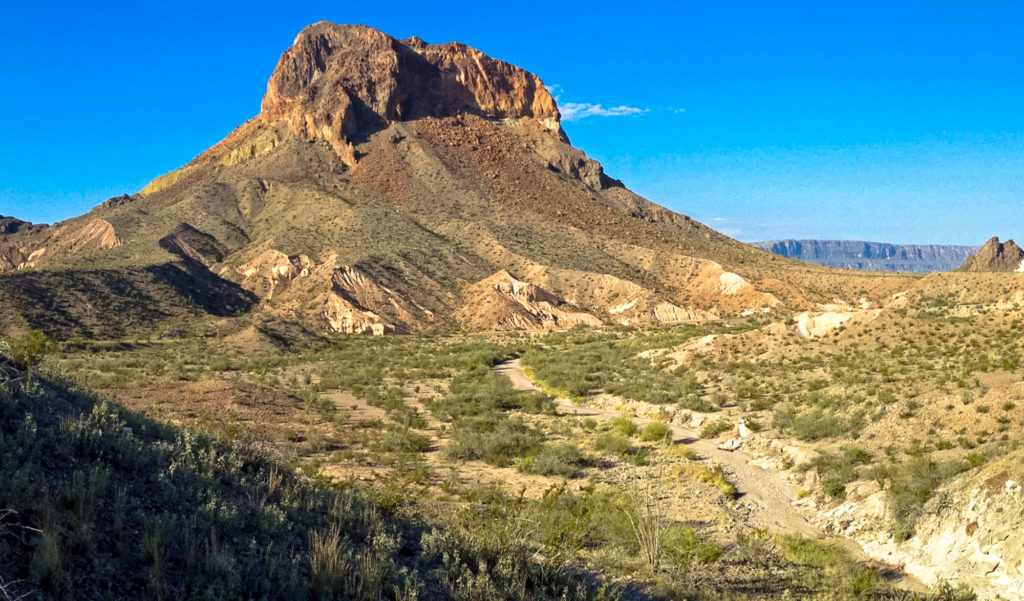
[872, 256]
[995, 256]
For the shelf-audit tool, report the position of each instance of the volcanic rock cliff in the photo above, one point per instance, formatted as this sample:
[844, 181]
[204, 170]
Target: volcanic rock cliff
[340, 83]
[995, 256]
[390, 186]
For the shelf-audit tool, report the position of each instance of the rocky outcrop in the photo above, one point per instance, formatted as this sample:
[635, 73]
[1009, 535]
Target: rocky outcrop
[118, 201]
[11, 257]
[969, 530]
[358, 305]
[10, 225]
[729, 292]
[191, 244]
[503, 302]
[871, 256]
[264, 274]
[815, 324]
[96, 234]
[339, 82]
[63, 241]
[995, 256]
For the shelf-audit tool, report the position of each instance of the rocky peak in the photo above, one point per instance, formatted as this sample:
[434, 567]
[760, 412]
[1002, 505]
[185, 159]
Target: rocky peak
[995, 256]
[10, 225]
[338, 83]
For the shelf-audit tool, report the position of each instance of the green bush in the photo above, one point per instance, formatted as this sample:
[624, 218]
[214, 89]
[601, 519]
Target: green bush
[684, 548]
[835, 487]
[835, 568]
[911, 484]
[714, 476]
[624, 426]
[400, 439]
[713, 429]
[29, 350]
[610, 442]
[494, 439]
[581, 365]
[563, 460]
[480, 391]
[656, 432]
[817, 423]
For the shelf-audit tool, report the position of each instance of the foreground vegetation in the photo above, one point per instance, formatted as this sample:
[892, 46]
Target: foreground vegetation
[100, 502]
[260, 495]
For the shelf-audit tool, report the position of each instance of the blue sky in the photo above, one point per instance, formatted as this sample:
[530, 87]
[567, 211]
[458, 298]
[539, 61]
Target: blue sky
[889, 121]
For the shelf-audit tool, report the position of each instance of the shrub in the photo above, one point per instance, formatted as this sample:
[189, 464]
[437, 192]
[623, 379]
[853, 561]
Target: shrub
[494, 439]
[944, 591]
[840, 570]
[480, 391]
[656, 432]
[554, 460]
[684, 548]
[835, 487]
[400, 439]
[29, 350]
[624, 426]
[714, 476]
[911, 484]
[636, 456]
[613, 443]
[713, 429]
[817, 423]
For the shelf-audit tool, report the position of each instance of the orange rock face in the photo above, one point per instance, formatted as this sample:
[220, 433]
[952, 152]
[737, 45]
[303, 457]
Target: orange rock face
[338, 82]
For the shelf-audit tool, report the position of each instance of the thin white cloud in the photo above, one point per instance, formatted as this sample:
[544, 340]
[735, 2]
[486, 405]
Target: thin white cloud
[574, 111]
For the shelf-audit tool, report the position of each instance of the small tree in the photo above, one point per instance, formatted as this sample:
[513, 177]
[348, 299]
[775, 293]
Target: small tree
[29, 350]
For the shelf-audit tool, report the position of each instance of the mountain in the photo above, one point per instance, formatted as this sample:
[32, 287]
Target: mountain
[871, 256]
[391, 186]
[995, 256]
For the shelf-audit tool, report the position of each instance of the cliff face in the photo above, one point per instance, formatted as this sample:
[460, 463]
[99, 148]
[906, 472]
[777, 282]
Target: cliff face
[871, 256]
[338, 83]
[995, 256]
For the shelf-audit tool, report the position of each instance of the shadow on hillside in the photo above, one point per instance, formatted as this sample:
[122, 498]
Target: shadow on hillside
[200, 286]
[112, 303]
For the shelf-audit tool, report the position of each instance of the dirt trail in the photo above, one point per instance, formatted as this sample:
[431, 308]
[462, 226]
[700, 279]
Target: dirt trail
[768, 494]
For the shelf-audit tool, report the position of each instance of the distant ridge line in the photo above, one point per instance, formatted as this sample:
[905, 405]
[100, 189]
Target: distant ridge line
[872, 256]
